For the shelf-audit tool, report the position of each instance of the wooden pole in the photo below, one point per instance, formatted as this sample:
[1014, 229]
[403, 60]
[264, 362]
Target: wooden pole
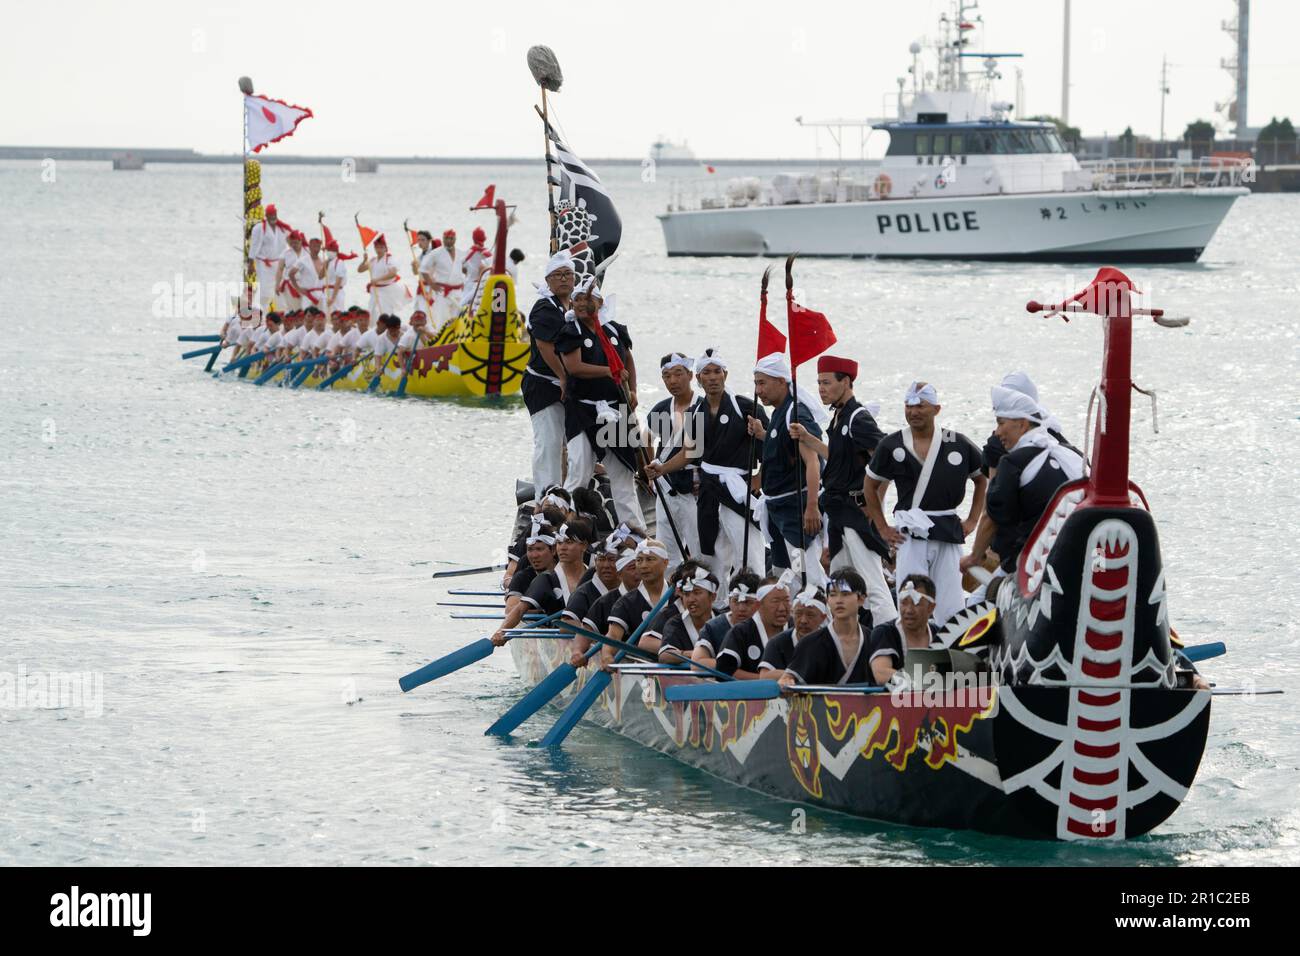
[550, 189]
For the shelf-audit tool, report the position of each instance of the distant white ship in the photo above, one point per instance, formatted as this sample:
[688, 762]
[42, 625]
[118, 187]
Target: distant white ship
[960, 180]
[664, 152]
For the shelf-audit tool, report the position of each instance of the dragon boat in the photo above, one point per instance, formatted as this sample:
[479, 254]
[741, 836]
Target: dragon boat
[1077, 728]
[481, 352]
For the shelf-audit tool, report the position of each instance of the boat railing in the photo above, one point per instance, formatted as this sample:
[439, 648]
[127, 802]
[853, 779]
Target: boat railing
[1208, 171]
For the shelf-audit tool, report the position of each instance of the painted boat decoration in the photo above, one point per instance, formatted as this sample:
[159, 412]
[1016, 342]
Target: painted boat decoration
[1081, 732]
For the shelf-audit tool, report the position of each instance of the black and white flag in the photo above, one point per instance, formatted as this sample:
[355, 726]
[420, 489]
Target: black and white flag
[585, 218]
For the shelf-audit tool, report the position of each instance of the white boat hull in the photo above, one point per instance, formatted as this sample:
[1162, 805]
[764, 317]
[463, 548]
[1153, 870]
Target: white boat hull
[1142, 225]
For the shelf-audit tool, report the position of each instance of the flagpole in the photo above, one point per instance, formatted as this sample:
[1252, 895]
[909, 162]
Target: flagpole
[550, 187]
[753, 449]
[547, 74]
[794, 397]
[245, 87]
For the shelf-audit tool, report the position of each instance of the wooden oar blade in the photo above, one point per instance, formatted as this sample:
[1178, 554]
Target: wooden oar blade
[580, 704]
[447, 665]
[728, 690]
[534, 700]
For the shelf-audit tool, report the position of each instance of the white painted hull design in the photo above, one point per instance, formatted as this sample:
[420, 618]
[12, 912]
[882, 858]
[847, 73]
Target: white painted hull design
[1137, 225]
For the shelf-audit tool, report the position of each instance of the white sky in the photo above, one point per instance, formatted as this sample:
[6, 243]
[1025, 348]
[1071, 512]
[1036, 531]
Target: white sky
[439, 78]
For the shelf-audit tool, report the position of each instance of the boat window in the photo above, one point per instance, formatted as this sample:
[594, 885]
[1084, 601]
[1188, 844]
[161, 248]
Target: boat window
[979, 143]
[1055, 142]
[957, 143]
[940, 144]
[1040, 142]
[901, 143]
[922, 144]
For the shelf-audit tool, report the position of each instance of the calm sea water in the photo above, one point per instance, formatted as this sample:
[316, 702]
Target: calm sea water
[245, 572]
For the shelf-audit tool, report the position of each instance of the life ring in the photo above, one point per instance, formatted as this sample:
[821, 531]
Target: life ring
[883, 185]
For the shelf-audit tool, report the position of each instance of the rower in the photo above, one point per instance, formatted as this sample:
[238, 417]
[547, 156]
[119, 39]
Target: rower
[388, 294]
[597, 619]
[551, 590]
[993, 453]
[913, 628]
[744, 645]
[423, 268]
[367, 338]
[294, 330]
[790, 515]
[742, 602]
[556, 506]
[267, 242]
[605, 578]
[930, 469]
[838, 652]
[539, 552]
[286, 290]
[718, 441]
[635, 606]
[1027, 477]
[544, 376]
[272, 341]
[697, 589]
[851, 439]
[808, 612]
[600, 404]
[667, 421]
[390, 332]
[448, 278]
[416, 337]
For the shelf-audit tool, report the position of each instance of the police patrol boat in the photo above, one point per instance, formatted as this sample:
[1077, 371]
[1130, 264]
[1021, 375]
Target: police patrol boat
[962, 180]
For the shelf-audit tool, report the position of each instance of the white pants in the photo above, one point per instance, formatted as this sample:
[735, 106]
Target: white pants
[941, 561]
[548, 448]
[265, 284]
[727, 559]
[684, 516]
[445, 306]
[857, 556]
[622, 483]
[812, 559]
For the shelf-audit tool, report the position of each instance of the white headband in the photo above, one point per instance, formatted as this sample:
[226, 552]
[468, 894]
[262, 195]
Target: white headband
[840, 586]
[678, 360]
[910, 592]
[918, 393]
[783, 583]
[561, 260]
[1009, 403]
[536, 535]
[741, 593]
[701, 579]
[704, 361]
[557, 500]
[624, 561]
[773, 366]
[808, 598]
[658, 550]
[589, 287]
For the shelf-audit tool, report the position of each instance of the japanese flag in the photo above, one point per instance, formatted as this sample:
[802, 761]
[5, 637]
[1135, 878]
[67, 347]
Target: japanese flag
[270, 121]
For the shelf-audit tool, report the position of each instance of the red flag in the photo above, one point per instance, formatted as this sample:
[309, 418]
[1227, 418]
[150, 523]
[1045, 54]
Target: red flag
[770, 339]
[367, 235]
[710, 169]
[489, 197]
[415, 236]
[810, 333]
[612, 358]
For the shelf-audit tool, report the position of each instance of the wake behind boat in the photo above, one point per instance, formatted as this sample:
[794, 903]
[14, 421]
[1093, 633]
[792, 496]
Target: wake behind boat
[960, 180]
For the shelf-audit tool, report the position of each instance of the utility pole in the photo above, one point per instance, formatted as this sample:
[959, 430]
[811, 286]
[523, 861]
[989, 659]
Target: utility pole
[1065, 69]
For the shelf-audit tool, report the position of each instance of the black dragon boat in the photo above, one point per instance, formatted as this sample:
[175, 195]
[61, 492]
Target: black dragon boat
[1079, 732]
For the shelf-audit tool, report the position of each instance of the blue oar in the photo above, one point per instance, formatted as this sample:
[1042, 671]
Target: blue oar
[1203, 652]
[291, 371]
[199, 338]
[374, 382]
[210, 350]
[271, 373]
[468, 604]
[307, 369]
[632, 649]
[453, 662]
[759, 690]
[471, 592]
[244, 362]
[597, 683]
[342, 370]
[213, 359]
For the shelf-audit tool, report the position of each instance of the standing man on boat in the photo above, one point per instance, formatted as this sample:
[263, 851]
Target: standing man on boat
[930, 469]
[667, 422]
[448, 279]
[851, 440]
[718, 442]
[544, 376]
[600, 404]
[1027, 476]
[287, 292]
[267, 242]
[336, 278]
[423, 268]
[314, 290]
[388, 294]
[788, 512]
